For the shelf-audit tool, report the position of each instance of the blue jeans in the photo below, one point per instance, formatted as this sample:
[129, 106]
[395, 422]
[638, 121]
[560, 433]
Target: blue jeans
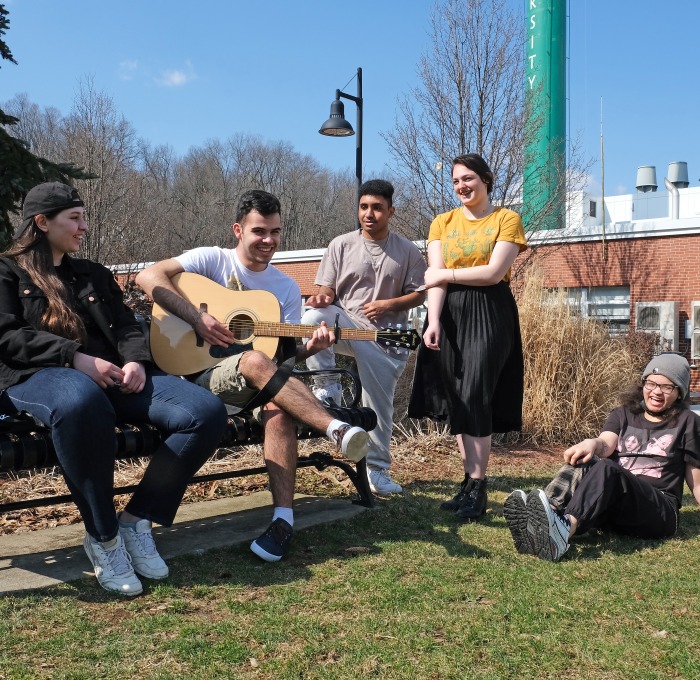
[82, 417]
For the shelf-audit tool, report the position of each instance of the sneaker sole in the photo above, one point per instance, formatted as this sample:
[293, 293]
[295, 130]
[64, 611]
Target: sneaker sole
[384, 492]
[150, 575]
[263, 554]
[538, 529]
[515, 514]
[357, 446]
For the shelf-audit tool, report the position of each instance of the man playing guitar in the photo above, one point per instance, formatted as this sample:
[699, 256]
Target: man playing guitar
[239, 378]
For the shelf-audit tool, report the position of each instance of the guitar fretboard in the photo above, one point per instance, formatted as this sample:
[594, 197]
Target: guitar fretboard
[289, 330]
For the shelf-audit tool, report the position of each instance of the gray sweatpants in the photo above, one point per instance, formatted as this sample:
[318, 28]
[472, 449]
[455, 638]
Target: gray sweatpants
[379, 372]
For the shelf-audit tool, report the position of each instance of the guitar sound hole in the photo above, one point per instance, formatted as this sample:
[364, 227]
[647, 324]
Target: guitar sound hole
[242, 328]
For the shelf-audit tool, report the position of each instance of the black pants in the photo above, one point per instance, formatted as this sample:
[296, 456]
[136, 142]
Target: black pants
[611, 497]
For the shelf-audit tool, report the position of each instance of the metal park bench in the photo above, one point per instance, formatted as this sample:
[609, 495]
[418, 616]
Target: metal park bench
[27, 446]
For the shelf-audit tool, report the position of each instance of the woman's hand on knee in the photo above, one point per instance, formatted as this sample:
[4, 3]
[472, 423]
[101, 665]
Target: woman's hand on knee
[104, 373]
[581, 453]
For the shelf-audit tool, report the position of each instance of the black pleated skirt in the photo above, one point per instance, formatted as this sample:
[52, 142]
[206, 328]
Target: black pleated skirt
[475, 382]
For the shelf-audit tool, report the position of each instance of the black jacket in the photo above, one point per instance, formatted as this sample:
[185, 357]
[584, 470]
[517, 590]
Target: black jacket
[25, 349]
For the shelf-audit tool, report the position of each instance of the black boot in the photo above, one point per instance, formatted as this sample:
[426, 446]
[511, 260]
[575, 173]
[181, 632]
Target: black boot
[454, 503]
[474, 505]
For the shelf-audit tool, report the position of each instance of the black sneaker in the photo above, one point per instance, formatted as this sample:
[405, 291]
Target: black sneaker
[515, 514]
[474, 505]
[454, 503]
[273, 545]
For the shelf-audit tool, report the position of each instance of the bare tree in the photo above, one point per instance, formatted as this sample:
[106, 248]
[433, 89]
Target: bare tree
[470, 98]
[40, 128]
[102, 141]
[148, 204]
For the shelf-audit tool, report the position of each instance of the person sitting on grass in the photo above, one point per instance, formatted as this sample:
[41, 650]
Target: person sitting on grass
[631, 492]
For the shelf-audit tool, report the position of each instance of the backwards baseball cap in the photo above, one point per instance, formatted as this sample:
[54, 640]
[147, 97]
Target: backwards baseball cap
[47, 198]
[674, 367]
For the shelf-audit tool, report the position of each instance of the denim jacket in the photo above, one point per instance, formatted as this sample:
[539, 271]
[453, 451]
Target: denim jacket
[25, 348]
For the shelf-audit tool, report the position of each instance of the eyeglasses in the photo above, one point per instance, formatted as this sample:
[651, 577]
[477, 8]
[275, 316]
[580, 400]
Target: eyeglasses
[650, 385]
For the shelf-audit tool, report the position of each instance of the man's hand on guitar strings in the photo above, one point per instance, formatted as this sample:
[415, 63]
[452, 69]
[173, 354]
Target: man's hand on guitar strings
[213, 331]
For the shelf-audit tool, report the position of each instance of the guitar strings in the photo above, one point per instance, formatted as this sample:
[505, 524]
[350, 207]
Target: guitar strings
[245, 328]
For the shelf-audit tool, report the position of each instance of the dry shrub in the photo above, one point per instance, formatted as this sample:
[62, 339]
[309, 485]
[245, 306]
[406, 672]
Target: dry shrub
[574, 370]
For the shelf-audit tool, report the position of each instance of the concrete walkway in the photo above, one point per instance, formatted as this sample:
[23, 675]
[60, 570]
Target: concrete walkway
[42, 558]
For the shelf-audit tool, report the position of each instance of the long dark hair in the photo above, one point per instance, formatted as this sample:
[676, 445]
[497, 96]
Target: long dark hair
[633, 399]
[32, 252]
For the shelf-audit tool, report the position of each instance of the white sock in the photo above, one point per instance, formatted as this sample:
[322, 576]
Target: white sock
[335, 424]
[108, 545]
[287, 514]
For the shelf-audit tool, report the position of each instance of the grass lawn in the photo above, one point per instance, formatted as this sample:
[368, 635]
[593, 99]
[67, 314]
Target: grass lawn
[402, 591]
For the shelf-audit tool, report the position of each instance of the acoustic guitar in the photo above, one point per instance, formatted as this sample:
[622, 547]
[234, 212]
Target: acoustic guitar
[253, 316]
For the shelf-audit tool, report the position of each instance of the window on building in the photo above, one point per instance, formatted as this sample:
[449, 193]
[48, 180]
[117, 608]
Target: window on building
[592, 207]
[609, 304]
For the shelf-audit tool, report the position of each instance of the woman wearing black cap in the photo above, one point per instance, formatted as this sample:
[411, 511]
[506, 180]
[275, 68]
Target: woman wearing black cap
[74, 357]
[632, 489]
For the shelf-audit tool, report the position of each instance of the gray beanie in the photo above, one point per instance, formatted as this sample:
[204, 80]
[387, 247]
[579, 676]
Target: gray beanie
[672, 365]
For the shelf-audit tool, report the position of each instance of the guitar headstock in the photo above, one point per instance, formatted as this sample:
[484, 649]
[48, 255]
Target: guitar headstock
[397, 337]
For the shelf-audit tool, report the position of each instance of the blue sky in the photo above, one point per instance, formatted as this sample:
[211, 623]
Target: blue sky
[184, 72]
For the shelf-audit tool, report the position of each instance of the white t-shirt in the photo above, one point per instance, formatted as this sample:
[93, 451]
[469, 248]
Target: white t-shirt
[220, 264]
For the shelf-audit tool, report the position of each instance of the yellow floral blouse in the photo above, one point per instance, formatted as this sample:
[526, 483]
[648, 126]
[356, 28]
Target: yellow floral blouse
[469, 243]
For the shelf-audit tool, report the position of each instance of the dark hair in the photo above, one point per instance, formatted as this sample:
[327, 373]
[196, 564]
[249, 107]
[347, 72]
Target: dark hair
[261, 201]
[475, 162]
[378, 187]
[633, 399]
[32, 252]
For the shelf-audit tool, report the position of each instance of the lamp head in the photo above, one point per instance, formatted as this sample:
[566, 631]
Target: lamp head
[336, 125]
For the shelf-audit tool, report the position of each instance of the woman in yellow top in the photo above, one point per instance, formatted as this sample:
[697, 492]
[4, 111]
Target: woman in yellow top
[470, 369]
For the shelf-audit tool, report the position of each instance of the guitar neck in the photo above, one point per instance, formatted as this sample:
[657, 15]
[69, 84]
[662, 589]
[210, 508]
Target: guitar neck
[292, 330]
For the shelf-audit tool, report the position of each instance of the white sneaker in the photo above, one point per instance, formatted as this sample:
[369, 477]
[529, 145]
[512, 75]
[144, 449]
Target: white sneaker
[381, 483]
[141, 547]
[352, 442]
[548, 530]
[113, 567]
[332, 393]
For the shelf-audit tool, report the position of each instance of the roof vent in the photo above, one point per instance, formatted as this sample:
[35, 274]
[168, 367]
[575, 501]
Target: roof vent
[678, 174]
[646, 178]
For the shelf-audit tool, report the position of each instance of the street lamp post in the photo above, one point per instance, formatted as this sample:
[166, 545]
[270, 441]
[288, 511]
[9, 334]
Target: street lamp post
[337, 126]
